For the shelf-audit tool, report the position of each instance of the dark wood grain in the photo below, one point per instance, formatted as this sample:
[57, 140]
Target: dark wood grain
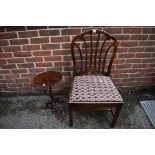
[94, 65]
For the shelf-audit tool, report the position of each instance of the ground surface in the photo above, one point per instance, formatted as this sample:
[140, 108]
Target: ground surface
[24, 112]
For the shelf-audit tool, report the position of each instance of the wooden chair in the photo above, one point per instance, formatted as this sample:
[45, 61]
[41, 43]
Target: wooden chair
[93, 52]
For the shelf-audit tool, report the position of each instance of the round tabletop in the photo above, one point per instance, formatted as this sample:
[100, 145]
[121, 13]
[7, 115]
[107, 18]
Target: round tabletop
[47, 78]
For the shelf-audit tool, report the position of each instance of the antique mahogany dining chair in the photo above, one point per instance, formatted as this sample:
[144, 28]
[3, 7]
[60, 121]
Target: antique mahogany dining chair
[93, 52]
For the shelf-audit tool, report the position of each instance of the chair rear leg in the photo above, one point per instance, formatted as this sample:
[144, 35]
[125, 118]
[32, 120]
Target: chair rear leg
[116, 115]
[70, 117]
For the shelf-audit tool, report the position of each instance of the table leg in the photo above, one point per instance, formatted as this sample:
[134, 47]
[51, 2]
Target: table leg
[51, 103]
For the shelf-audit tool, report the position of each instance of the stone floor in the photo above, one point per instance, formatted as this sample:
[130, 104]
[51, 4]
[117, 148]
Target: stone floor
[24, 112]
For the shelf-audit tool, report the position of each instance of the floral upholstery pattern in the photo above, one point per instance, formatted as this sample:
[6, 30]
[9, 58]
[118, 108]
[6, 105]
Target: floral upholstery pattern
[90, 88]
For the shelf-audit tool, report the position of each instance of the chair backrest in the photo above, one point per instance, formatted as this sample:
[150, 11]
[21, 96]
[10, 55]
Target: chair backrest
[93, 52]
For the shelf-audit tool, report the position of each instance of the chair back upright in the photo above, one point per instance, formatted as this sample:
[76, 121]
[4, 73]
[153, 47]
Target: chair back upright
[93, 52]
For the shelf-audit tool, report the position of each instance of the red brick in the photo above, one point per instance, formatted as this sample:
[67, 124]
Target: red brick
[12, 49]
[50, 46]
[68, 68]
[151, 37]
[119, 61]
[58, 27]
[119, 76]
[8, 35]
[129, 43]
[57, 69]
[70, 31]
[53, 58]
[136, 49]
[149, 49]
[49, 32]
[136, 75]
[122, 37]
[66, 73]
[19, 41]
[66, 46]
[150, 74]
[149, 60]
[5, 71]
[145, 83]
[129, 79]
[15, 28]
[44, 64]
[16, 60]
[147, 43]
[12, 76]
[2, 61]
[133, 60]
[144, 70]
[15, 85]
[138, 37]
[123, 66]
[41, 53]
[133, 70]
[36, 27]
[39, 40]
[61, 52]
[116, 71]
[6, 81]
[22, 80]
[8, 66]
[22, 54]
[3, 85]
[4, 43]
[143, 55]
[133, 84]
[67, 58]
[11, 89]
[152, 65]
[139, 66]
[28, 75]
[26, 65]
[34, 59]
[5, 55]
[60, 39]
[133, 30]
[126, 55]
[36, 70]
[149, 30]
[16, 71]
[28, 34]
[31, 47]
[29, 84]
[113, 30]
[58, 64]
[122, 50]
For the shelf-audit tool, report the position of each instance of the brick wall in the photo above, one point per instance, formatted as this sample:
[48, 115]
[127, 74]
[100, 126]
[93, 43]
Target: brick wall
[26, 51]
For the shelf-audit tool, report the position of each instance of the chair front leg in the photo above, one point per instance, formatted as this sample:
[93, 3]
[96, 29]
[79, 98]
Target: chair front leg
[116, 115]
[70, 117]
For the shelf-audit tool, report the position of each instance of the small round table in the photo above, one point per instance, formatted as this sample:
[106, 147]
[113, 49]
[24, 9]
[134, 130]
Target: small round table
[48, 79]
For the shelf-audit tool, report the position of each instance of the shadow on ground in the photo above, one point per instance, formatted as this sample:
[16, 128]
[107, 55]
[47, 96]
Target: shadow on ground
[24, 112]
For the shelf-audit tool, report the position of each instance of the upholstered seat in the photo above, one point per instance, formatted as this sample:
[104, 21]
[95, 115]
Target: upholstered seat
[89, 88]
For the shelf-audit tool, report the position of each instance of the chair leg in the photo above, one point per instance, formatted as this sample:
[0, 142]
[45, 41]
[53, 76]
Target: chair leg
[115, 117]
[70, 118]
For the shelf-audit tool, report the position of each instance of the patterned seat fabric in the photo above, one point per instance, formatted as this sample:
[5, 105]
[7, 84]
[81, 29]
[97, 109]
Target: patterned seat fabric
[94, 89]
